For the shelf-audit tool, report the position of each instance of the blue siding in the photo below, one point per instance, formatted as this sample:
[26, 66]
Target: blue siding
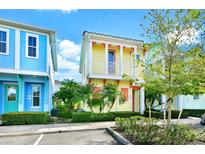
[1, 98]
[8, 61]
[28, 98]
[30, 63]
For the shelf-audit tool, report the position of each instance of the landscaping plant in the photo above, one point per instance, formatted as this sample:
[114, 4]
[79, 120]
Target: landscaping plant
[175, 62]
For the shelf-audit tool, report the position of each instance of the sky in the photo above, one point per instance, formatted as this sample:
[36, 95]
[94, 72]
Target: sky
[69, 26]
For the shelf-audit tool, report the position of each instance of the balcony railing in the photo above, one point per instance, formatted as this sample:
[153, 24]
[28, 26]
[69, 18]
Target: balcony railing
[113, 68]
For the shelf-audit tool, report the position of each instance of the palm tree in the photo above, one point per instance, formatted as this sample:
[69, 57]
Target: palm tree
[68, 93]
[86, 94]
[110, 93]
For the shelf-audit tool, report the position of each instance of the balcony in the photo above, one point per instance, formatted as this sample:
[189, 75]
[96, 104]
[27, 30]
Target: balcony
[101, 70]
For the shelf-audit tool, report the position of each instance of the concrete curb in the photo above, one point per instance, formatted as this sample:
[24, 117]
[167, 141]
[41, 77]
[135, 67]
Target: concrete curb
[47, 132]
[194, 118]
[118, 137]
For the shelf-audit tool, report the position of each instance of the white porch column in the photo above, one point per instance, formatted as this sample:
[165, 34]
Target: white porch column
[17, 49]
[106, 58]
[180, 102]
[142, 100]
[134, 65]
[164, 99]
[90, 57]
[121, 60]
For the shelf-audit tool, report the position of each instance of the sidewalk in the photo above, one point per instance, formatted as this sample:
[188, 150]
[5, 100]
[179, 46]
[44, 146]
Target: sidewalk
[52, 128]
[66, 127]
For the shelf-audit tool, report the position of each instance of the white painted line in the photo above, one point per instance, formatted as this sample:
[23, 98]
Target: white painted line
[38, 140]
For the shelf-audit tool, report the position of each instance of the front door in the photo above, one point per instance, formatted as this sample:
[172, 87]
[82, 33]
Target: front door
[10, 98]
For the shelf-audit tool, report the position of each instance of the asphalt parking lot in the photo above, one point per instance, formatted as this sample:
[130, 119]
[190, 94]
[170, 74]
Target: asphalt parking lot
[91, 137]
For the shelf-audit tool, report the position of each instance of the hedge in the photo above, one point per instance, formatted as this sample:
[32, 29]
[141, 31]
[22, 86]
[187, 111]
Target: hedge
[94, 117]
[65, 115]
[22, 118]
[195, 112]
[125, 114]
[160, 115]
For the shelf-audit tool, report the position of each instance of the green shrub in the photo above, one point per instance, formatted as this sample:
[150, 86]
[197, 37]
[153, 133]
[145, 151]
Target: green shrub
[194, 112]
[160, 115]
[65, 114]
[63, 108]
[22, 118]
[177, 135]
[175, 114]
[154, 114]
[91, 117]
[125, 114]
[140, 130]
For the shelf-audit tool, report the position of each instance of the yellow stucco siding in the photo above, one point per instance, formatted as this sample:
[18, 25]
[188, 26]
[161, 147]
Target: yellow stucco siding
[98, 59]
[97, 82]
[126, 61]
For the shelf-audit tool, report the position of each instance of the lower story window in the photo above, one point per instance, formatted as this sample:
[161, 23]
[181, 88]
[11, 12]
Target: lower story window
[36, 95]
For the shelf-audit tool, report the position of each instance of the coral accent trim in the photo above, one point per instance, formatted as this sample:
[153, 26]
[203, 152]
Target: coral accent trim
[125, 93]
[135, 87]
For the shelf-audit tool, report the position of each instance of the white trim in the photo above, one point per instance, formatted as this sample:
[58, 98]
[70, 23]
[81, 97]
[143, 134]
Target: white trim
[106, 58]
[7, 40]
[90, 57]
[37, 45]
[142, 100]
[39, 106]
[17, 48]
[121, 60]
[105, 76]
[22, 29]
[23, 72]
[48, 55]
[134, 65]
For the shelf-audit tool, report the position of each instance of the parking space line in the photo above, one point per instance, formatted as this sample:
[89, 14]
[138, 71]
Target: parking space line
[38, 140]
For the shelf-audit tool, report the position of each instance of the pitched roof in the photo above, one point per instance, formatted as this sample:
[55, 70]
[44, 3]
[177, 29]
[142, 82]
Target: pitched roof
[112, 36]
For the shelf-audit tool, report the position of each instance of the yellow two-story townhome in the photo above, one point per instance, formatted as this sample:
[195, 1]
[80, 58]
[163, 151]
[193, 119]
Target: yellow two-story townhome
[106, 58]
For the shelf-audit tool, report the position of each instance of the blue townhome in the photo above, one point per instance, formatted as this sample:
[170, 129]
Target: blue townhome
[28, 62]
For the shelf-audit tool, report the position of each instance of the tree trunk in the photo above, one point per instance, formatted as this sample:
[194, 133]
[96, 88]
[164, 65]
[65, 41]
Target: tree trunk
[150, 116]
[169, 112]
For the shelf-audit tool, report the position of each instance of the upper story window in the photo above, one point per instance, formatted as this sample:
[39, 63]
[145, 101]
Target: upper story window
[32, 46]
[111, 62]
[4, 43]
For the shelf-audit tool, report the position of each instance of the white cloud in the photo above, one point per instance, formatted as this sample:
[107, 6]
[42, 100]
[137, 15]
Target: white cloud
[66, 64]
[68, 10]
[68, 60]
[68, 48]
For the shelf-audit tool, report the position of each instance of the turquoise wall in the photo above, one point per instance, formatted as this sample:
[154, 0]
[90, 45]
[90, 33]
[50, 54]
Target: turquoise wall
[1, 97]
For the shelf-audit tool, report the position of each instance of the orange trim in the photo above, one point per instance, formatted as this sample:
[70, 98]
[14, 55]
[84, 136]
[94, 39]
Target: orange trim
[118, 46]
[135, 87]
[118, 81]
[104, 82]
[93, 43]
[133, 101]
[103, 44]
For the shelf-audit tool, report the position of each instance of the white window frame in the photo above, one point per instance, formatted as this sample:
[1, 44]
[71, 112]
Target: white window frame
[7, 40]
[37, 45]
[33, 85]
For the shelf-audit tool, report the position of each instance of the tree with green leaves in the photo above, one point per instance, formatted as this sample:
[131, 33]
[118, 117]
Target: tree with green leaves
[68, 94]
[175, 62]
[110, 93]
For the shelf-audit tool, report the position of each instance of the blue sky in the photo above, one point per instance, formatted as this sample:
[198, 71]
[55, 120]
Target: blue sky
[70, 24]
